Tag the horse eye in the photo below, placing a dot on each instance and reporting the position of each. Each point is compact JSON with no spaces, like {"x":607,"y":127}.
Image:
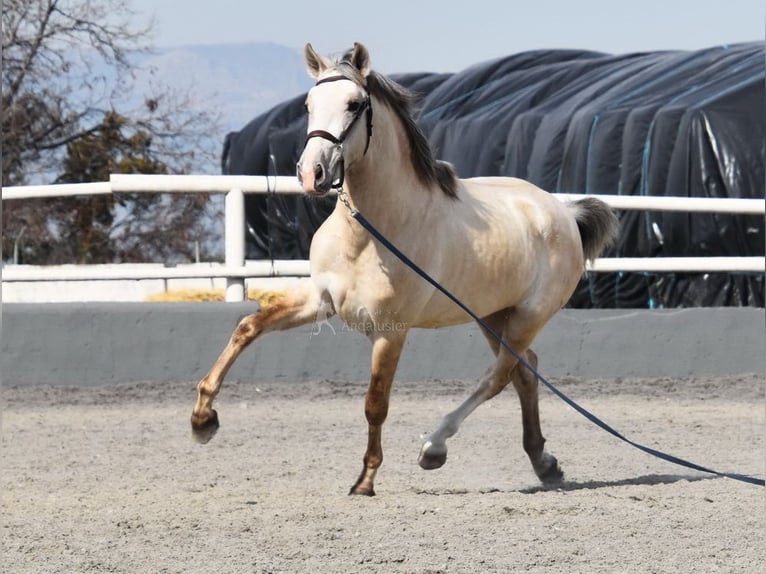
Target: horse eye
{"x":306,"y":106}
{"x":354,"y":105}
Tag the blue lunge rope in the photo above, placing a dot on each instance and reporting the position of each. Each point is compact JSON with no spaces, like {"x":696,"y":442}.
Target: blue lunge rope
{"x":587,"y":414}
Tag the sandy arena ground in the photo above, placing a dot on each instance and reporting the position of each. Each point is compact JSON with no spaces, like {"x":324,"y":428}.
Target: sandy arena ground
{"x":108,"y":479}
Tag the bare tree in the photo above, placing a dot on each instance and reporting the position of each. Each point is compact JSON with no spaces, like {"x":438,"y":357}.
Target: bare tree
{"x":68,"y":74}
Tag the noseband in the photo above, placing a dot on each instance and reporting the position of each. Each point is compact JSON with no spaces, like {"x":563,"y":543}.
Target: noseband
{"x":365,"y":107}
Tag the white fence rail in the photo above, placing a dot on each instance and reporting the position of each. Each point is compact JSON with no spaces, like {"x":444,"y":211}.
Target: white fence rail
{"x":235,"y":271}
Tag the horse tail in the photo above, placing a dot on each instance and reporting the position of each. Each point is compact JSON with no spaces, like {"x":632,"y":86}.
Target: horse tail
{"x":598,"y":225}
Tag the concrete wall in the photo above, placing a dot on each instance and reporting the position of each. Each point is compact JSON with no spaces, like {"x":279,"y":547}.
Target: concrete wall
{"x":93,"y":343}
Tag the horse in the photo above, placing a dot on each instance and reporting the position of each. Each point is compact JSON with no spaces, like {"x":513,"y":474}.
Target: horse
{"x":509,"y":250}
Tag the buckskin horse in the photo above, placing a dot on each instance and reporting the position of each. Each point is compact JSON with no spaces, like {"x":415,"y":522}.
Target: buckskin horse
{"x":511,"y":252}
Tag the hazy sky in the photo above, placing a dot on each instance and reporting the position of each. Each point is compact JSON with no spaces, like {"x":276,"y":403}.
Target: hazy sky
{"x":441,"y":35}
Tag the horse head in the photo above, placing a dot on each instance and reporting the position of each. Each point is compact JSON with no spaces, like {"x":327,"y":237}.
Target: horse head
{"x":336,"y":137}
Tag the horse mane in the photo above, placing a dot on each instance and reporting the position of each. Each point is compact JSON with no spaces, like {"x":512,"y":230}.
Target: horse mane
{"x":401,"y":101}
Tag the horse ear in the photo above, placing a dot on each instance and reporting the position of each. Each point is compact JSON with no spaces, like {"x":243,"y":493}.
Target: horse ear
{"x":360,"y":59}
{"x":315,"y":64}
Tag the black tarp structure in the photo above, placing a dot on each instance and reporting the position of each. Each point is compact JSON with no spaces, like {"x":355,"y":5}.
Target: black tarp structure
{"x":658,"y":123}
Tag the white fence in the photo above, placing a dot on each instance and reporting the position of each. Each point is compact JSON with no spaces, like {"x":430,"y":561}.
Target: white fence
{"x":235,"y":269}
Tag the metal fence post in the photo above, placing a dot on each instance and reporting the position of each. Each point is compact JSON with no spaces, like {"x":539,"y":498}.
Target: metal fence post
{"x":235,"y":242}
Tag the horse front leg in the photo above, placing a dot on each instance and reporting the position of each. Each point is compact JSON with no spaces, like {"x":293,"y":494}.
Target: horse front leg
{"x":385,"y":357}
{"x":279,"y":310}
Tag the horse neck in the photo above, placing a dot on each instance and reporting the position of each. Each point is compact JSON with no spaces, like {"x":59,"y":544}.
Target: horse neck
{"x":383,"y":185}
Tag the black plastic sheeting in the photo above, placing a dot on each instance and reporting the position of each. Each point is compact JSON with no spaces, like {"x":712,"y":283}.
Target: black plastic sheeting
{"x":659,"y":123}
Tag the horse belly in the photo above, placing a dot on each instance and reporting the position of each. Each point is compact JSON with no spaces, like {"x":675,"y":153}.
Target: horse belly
{"x":484,"y":291}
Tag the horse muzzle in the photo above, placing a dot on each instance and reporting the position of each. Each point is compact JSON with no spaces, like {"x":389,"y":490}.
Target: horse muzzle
{"x":314,"y":179}
{"x":321,"y":171}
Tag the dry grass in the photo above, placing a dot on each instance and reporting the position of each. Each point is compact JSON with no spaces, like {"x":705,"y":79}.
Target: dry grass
{"x":194,"y":295}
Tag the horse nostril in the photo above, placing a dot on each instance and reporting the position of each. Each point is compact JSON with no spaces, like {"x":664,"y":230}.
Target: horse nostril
{"x":318,"y":173}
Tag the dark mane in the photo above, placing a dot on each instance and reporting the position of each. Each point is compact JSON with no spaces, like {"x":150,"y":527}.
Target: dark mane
{"x":400,"y":100}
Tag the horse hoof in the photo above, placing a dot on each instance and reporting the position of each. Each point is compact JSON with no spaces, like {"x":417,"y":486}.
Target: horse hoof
{"x":553,"y":473}
{"x":359,"y":491}
{"x":204,"y":430}
{"x":432,"y":456}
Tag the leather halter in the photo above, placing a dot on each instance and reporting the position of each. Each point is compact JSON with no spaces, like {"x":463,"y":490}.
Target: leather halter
{"x":365,"y":107}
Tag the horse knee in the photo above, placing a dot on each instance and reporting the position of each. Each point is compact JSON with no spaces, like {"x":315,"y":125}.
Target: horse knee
{"x":376,"y":401}
{"x":375,"y":412}
{"x":247,"y":329}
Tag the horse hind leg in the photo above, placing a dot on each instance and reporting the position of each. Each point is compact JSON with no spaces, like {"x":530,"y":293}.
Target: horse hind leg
{"x":279,"y":310}
{"x":433,"y":453}
{"x":525,"y":382}
{"x":545,"y":465}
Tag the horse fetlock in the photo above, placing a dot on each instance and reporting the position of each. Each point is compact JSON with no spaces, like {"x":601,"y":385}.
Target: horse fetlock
{"x":432,"y":455}
{"x":204,"y":425}
{"x":364,"y":484}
